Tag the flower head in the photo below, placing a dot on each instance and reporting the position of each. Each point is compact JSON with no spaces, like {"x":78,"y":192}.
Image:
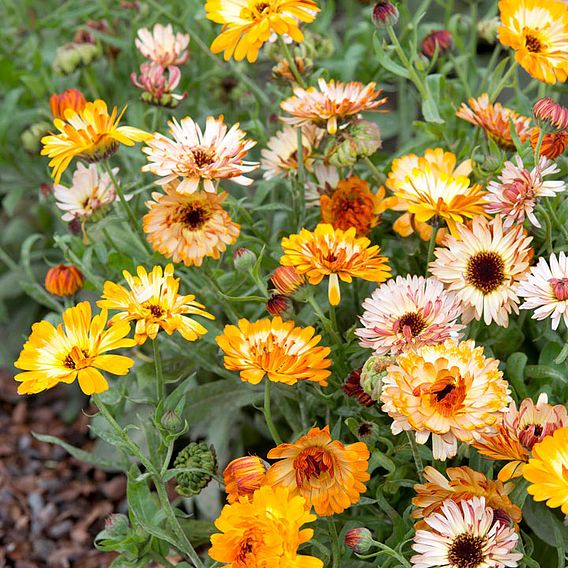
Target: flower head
{"x":248,"y":24}
{"x":539,"y":35}
{"x":276,"y":349}
{"x":71,"y":98}
{"x":64,"y":280}
{"x":153,"y":303}
{"x":327,"y":180}
{"x":158,"y":84}
{"x":450,"y":390}
{"x":91,"y":134}
{"x":75,"y":349}
{"x":495,"y":120}
{"x":243,"y":476}
{"x":441,"y":40}
{"x":352,"y":387}
{"x":407,"y":313}
{"x":334,"y":253}
{"x":549,"y":113}
{"x":286,"y":280}
{"x":188,"y":228}
{"x":264,"y":531}
{"x":198,"y":156}
{"x":553,"y":143}
{"x":385,"y":14}
{"x":328,"y":474}
{"x":359,"y":540}
{"x":162,"y":46}
{"x":332,"y":105}
{"x":484,"y":268}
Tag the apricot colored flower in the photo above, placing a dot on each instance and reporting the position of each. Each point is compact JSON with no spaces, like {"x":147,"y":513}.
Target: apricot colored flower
{"x":484,"y":268}
{"x":162,"y":46}
{"x":75,"y":349}
{"x":153,"y":303}
{"x":248,"y":24}
{"x":547,"y":470}
{"x":276,"y":349}
{"x":461,"y":483}
{"x":243,"y":476}
{"x":553,"y":143}
{"x":334,"y":253}
{"x":71,"y":98}
{"x":495,"y":120}
{"x":450,"y":390}
{"x":327,"y":473}
{"x":264,"y":532}
{"x":407,"y":313}
{"x":199,"y":157}
{"x":539,"y":35}
{"x":550,"y":114}
{"x":91,"y":134}
{"x":332,"y":105}
{"x":64,"y":280}
{"x":188,"y":228}
{"x":286,"y":280}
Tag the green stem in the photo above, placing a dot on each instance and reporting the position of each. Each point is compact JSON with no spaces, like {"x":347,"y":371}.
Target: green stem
{"x":335,"y":545}
{"x":505,"y":79}
{"x":268,"y":414}
{"x":415,"y":453}
{"x":432,"y":244}
{"x":7,"y":260}
{"x":379,"y":177}
{"x":291,"y":62}
{"x":388,"y":550}
{"x":555,"y":218}
{"x":160,"y":390}
{"x":548,"y":229}
{"x":538,"y":147}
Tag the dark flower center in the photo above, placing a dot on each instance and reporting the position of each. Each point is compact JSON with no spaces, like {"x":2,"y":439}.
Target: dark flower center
{"x":155,"y":310}
{"x":485,"y":271}
{"x":533,"y":44}
{"x":312,"y":462}
{"x":194,"y":216}
{"x":466,"y":551}
{"x":71,"y":359}
{"x":413,"y":320}
{"x":261,"y":7}
{"x":203,"y":157}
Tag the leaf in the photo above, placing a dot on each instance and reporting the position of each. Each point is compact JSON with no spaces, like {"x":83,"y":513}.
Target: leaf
{"x":545,"y":372}
{"x":386,"y":61}
{"x":430,"y":111}
{"x":515,"y":372}
{"x":544,"y":522}
{"x":35,"y":291}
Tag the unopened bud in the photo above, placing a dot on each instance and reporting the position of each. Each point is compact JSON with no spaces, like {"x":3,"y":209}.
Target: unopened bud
{"x":373,"y":373}
{"x":244,"y":259}
{"x":287,"y":281}
{"x":31,"y":137}
{"x":243,"y":476}
{"x":368,"y":432}
{"x":385,"y":14}
{"x":550,"y":115}
{"x":64,"y":280}
{"x":279,"y":305}
{"x":359,"y":540}
{"x":361,"y":139}
{"x":352,"y":387}
{"x":440,"y":39}
{"x":488,"y":30}
{"x":117,"y":525}
{"x":171,"y":422}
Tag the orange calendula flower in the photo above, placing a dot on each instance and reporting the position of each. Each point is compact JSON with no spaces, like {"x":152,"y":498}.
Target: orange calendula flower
{"x":450,"y":390}
{"x":248,"y":24}
{"x":549,"y":114}
{"x":328,"y":474}
{"x":333,"y":105}
{"x":334,"y":253}
{"x":287,"y":281}
{"x":188,"y":228}
{"x":547,"y":470}
{"x":91,"y":134}
{"x":277,"y":349}
{"x":75,"y":349}
{"x":71,"y":98}
{"x":243,"y":476}
{"x":64,"y":280}
{"x":553,"y":143}
{"x":462,"y":483}
{"x":538,"y":32}
{"x":495,"y":120}
{"x":153,"y":303}
{"x":264,"y":531}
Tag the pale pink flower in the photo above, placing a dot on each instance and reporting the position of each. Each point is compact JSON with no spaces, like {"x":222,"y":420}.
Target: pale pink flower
{"x":515,"y":194}
{"x":158,"y":84}
{"x":162,"y":46}
{"x":408,"y":313}
{"x":327,"y":180}
{"x":545,"y":289}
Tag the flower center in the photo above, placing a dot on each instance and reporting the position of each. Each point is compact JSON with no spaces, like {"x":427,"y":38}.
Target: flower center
{"x":533,"y":43}
{"x":559,"y":288}
{"x":466,"y":551}
{"x":485,"y":271}
{"x":312,"y":463}
{"x":203,"y":156}
{"x":411,"y":322}
{"x":262,"y":7}
{"x":194,"y":216}
{"x":74,"y":357}
{"x":155,"y":310}
{"x":246,"y":548}
{"x":446,"y":393}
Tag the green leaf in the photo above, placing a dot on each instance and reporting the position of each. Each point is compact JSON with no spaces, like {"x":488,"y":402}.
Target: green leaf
{"x":515,"y":372}
{"x":545,"y":523}
{"x":545,"y":372}
{"x":430,"y":111}
{"x":35,"y":291}
{"x":386,"y":61}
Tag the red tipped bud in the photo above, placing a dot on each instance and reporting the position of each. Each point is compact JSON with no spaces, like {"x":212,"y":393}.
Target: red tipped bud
{"x":71,"y":98}
{"x":441,"y":39}
{"x":244,"y":476}
{"x":63,"y":280}
{"x":244,"y":259}
{"x":549,"y":113}
{"x":286,"y":280}
{"x":385,"y":14}
{"x":359,"y":540}
{"x":279,"y":305}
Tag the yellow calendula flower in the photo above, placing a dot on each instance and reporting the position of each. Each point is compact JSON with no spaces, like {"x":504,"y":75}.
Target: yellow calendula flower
{"x":75,"y":349}
{"x":153,"y":303}
{"x":247,"y":24}
{"x":334,"y":253}
{"x":91,"y":134}
{"x":538,"y":32}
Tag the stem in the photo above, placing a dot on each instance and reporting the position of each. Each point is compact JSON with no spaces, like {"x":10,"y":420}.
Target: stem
{"x":538,"y":147}
{"x":432,"y":244}
{"x":7,"y":260}
{"x":379,"y":177}
{"x":548,"y":224}
{"x":501,"y":85}
{"x":415,"y":453}
{"x":291,"y":62}
{"x":335,"y":546}
{"x":555,"y":218}
{"x":160,"y":390}
{"x":268,"y":414}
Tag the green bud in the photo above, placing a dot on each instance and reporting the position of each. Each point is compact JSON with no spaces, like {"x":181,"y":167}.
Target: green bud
{"x":359,"y":540}
{"x":373,"y":373}
{"x":171,"y":422}
{"x":31,"y":137}
{"x":487,"y":30}
{"x":368,"y":432}
{"x":244,"y":259}
{"x":200,"y":458}
{"x":117,"y":525}
{"x":71,"y":56}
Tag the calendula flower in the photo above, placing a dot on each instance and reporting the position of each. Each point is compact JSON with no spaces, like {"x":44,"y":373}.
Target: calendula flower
{"x":188,"y":228}
{"x":243,"y":476}
{"x":450,"y":390}
{"x":462,"y":483}
{"x":547,"y":470}
{"x":519,"y":431}
{"x":539,"y":35}
{"x":199,"y":157}
{"x":153,"y":302}
{"x":465,"y":535}
{"x":75,"y":349}
{"x":248,"y":24}
{"x":495,"y":120}
{"x":407,"y":313}
{"x":353,"y":204}
{"x":545,"y":289}
{"x":89,"y":195}
{"x":286,"y":280}
{"x":280,"y":157}
{"x":71,"y":98}
{"x":484,"y":268}
{"x":162,"y":46}
{"x":329,"y":475}
{"x":334,"y":253}
{"x":64,"y":280}
{"x":515,"y":194}
{"x":265,"y":531}
{"x":91,"y":134}
{"x":331,"y":106}
{"x":553,"y":143}
{"x":276,"y":349}
{"x":550,"y":114}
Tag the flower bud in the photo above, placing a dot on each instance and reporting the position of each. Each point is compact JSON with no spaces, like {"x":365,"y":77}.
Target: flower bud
{"x":117,"y":525}
{"x":279,"y":305}
{"x":202,"y":460}
{"x":64,"y":280}
{"x":368,"y":432}
{"x":553,"y":144}
{"x":440,"y":39}
{"x":171,"y":422}
{"x":487,"y":30}
{"x":549,"y":113}
{"x":361,"y":139}
{"x":243,"y":476}
{"x":373,"y":373}
{"x":385,"y":14}
{"x":352,"y":387}
{"x":287,"y":281}
{"x":158,"y":84}
{"x":244,"y":259}
{"x":71,"y":98}
{"x":359,"y":540}
{"x":71,"y":56}
{"x":31,"y":137}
